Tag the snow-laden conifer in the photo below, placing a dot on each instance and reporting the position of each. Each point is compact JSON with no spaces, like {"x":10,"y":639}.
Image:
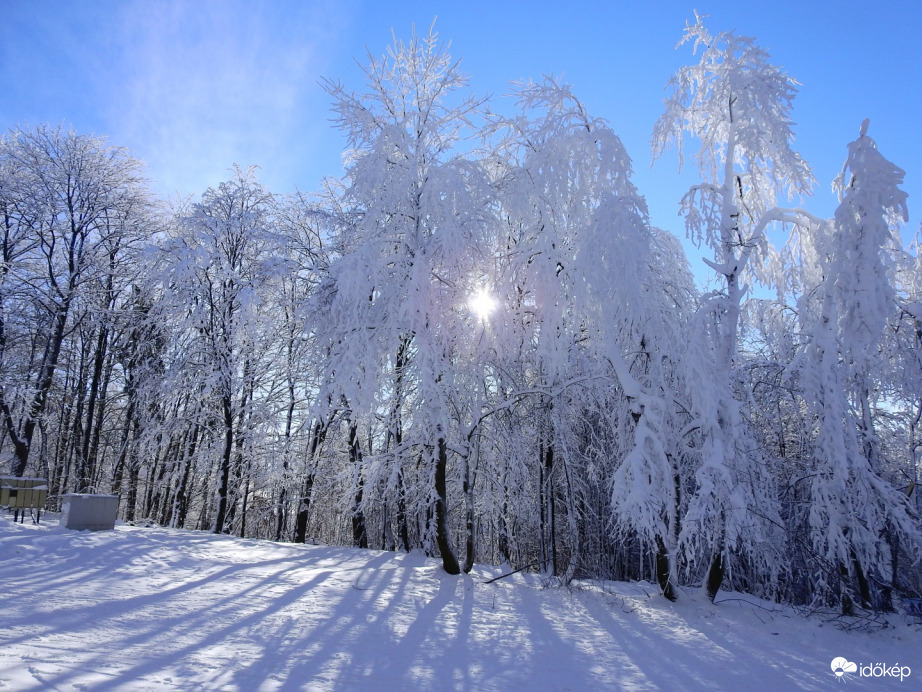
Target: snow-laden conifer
{"x":854,"y":513}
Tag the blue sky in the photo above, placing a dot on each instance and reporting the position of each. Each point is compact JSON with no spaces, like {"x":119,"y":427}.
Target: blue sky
{"x":195,"y":87}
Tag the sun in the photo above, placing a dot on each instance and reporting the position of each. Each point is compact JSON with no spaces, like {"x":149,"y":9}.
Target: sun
{"x":482,"y":304}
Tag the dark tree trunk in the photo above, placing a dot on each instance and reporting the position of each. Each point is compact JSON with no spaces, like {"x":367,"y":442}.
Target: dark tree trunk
{"x":304,"y":507}
{"x":864,"y":586}
{"x":307,"y":484}
{"x":157,"y":490}
{"x":442,"y":535}
{"x":548,"y":519}
{"x":180,"y":498}
{"x":243,"y":511}
{"x":359,"y":532}
{"x":100,"y":419}
{"x":846,"y":602}
{"x":22,"y":444}
{"x":396,"y":432}
{"x":240,"y":465}
{"x":662,"y":570}
{"x":225,"y":470}
{"x":715,"y":576}
{"x":403,"y":527}
{"x":181,"y":501}
{"x":86,"y":464}
{"x":468,"y":491}
{"x":132,"y":501}
{"x":282,"y":511}
{"x":282,"y":507}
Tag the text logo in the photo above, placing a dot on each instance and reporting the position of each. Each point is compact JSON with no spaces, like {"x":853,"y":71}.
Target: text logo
{"x":842,"y":667}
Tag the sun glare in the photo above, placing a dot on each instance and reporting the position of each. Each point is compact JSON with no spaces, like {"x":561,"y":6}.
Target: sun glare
{"x":482,"y":304}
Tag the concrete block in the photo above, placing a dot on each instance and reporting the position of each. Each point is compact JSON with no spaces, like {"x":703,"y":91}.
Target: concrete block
{"x":88,"y":512}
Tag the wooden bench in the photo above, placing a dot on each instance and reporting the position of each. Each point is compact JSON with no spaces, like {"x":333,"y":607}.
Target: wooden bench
{"x":21,"y":494}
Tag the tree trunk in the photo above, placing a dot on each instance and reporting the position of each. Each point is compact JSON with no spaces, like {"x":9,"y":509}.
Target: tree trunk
{"x":304,"y":506}
{"x":99,"y":424}
{"x":86,"y":463}
{"x":132,"y":501}
{"x":395,"y":440}
{"x":403,"y":527}
{"x":548,"y":541}
{"x":359,"y":532}
{"x":282,"y":509}
{"x":468,"y":518}
{"x":226,"y":458}
{"x":22,"y":444}
{"x":243,"y":510}
{"x":239,"y":465}
{"x":663,"y":577}
{"x":504,"y":539}
{"x":307,"y":484}
{"x":864,"y":586}
{"x":442,"y":535}
{"x":715,"y":576}
{"x":180,"y":499}
{"x":282,"y":506}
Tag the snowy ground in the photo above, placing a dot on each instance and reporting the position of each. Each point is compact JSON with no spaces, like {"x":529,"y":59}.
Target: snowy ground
{"x":158,"y":609}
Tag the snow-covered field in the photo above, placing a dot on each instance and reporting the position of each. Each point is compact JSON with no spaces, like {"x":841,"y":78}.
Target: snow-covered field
{"x":159,"y":609}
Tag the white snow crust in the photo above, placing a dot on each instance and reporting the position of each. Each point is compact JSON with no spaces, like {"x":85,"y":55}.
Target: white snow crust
{"x":162,"y":609}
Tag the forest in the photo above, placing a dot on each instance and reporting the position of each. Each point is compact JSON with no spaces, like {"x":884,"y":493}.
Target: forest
{"x":475,"y":344}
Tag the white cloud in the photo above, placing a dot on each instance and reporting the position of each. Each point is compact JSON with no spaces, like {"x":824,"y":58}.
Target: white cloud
{"x":206,"y":85}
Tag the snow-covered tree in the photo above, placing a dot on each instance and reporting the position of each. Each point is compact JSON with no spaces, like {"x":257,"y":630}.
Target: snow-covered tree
{"x":854,"y":512}
{"x":305,"y":255}
{"x":219,"y":265}
{"x":560,"y":166}
{"x":409,"y":237}
{"x":737,"y":105}
{"x":600,"y":298}
{"x":71,"y":206}
{"x":904,"y":350}
{"x":867,"y":250}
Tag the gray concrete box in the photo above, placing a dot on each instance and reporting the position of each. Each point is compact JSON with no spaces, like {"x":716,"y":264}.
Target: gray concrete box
{"x":89,"y":512}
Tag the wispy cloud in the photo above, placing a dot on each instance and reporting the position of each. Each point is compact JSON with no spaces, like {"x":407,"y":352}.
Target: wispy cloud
{"x":204,"y":85}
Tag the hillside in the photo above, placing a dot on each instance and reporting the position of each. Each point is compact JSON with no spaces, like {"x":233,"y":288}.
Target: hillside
{"x":159,"y":609}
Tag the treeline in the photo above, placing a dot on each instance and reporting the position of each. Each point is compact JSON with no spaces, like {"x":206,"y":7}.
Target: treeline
{"x":475,"y":343}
